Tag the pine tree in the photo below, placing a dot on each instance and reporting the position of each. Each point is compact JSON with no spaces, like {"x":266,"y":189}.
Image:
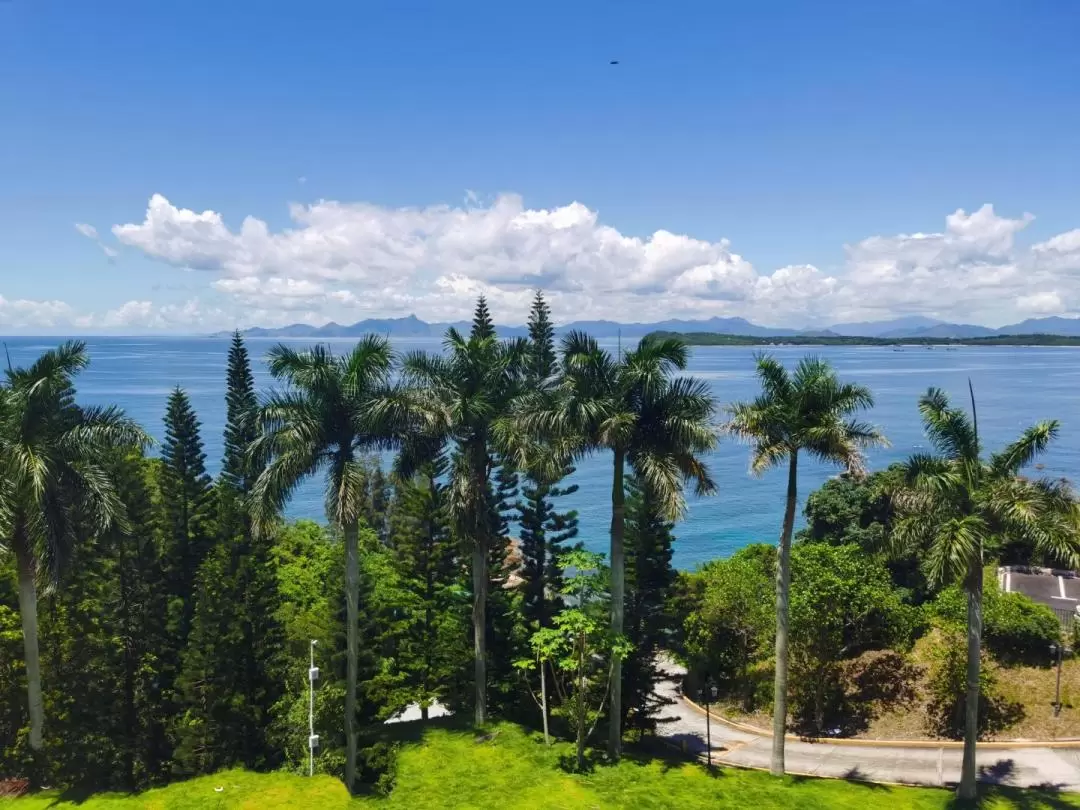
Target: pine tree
{"x":186,"y":496}
{"x":482,"y":325}
{"x":377,"y":504}
{"x":544,"y":533}
{"x":187,"y":532}
{"x":239,"y":471}
{"x":102,"y":630}
{"x":544,"y":530}
{"x":542,"y":357}
{"x":649,"y":579}
{"x":139,"y":604}
{"x":430,"y":651}
{"x":228,"y":681}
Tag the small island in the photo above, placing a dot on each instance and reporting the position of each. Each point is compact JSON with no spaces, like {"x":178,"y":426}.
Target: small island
{"x":715,"y":339}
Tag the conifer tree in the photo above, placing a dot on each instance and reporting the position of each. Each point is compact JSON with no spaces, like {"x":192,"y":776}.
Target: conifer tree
{"x":186,"y":507}
{"x":482,"y":325}
{"x":239,"y":470}
{"x":102,"y":630}
{"x":543,"y":529}
{"x":430,"y":654}
{"x":649,"y":579}
{"x":187,"y":528}
{"x":138,"y":606}
{"x":229,"y":681}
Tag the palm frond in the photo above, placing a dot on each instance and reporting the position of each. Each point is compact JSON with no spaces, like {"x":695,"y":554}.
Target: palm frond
{"x":1031,"y":444}
{"x":950,"y":430}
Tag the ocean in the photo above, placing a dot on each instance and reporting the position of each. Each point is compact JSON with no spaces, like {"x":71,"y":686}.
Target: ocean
{"x":1014,"y":387}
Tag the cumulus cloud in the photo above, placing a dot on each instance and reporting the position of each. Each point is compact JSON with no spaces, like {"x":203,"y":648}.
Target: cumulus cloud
{"x":1043,"y":303}
{"x":21,"y":313}
{"x":340,"y":260}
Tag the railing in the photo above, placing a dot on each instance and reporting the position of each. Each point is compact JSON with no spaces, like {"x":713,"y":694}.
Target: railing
{"x":1067,"y":616}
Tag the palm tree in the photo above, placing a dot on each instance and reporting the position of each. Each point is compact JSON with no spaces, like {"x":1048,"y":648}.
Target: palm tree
{"x":334,"y":411}
{"x":955,"y":505}
{"x":812,"y":411}
{"x":55,"y":489}
{"x":634,"y":407}
{"x":459,"y":396}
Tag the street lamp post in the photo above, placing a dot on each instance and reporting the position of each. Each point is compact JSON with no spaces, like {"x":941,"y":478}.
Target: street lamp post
{"x":1057,"y":649}
{"x":708,"y":722}
{"x":313,"y":738}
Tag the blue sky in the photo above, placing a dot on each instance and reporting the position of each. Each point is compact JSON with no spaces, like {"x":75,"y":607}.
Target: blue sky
{"x":792,"y":163}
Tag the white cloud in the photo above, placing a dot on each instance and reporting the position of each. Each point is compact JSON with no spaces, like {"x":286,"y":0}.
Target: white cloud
{"x":22,"y":313}
{"x":89,"y":231}
{"x":1043,"y":303}
{"x":347,"y":261}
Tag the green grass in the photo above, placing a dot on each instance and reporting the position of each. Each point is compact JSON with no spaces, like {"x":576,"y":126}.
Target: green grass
{"x":512,"y":770}
{"x":250,"y":791}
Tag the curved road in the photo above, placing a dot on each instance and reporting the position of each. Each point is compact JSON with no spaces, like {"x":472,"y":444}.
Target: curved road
{"x":684,"y":725}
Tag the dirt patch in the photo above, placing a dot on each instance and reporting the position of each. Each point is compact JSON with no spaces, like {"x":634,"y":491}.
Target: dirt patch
{"x":13,"y":788}
{"x":1032,"y":687}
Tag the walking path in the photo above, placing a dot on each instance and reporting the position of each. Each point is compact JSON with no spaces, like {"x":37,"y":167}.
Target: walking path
{"x":684,"y":725}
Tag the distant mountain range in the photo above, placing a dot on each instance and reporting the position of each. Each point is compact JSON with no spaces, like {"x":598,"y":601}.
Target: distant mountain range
{"x":915,"y":326}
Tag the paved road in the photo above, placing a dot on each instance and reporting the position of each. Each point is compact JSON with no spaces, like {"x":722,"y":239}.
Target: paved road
{"x":1020,"y":767}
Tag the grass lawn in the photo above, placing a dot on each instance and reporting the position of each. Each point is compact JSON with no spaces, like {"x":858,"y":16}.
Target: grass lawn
{"x":451,"y":768}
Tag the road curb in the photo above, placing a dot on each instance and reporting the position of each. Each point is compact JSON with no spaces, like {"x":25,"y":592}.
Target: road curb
{"x":995,"y":745}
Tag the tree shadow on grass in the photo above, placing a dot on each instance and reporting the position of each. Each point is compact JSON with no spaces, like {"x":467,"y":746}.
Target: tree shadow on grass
{"x":995,"y":791}
{"x":1040,"y":797}
{"x":853,"y":776}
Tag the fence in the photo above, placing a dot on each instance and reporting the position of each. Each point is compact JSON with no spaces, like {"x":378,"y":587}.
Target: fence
{"x":1067,"y":617}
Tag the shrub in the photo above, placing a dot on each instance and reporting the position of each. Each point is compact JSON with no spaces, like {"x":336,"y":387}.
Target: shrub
{"x":1015,"y":628}
{"x":843,"y":603}
{"x":728,"y":622}
{"x":947,"y":688}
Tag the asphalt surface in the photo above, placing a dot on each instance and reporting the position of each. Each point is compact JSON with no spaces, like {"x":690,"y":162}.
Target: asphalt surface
{"x":1058,"y":591}
{"x":935,"y":766}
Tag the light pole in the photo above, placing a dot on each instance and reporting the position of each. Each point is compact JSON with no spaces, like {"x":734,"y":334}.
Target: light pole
{"x":708,"y":722}
{"x":313,"y":738}
{"x":1057,"y":649}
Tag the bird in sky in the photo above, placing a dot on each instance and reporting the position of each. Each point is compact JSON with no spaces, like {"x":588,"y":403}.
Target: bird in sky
{"x":613,"y":62}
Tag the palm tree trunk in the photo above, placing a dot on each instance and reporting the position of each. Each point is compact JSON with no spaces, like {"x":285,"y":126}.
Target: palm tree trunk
{"x":28,"y":614}
{"x":479,"y":617}
{"x":968,"y":769}
{"x":783,"y":588}
{"x":618,"y":607}
{"x":352,"y":590}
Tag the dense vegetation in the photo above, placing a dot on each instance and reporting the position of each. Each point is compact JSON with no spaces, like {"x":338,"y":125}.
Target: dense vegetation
{"x":156,"y":623}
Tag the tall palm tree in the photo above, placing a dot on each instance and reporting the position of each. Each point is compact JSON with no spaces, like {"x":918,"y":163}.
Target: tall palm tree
{"x":459,"y":395}
{"x":635,"y":407}
{"x":955,"y":505}
{"x":811,"y":411}
{"x":333,"y":411}
{"x":55,"y":489}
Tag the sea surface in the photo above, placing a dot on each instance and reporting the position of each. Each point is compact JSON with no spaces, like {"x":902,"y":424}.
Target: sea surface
{"x":1014,"y":387}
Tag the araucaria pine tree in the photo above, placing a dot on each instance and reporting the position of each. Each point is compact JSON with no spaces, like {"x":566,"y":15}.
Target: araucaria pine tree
{"x":238,"y":469}
{"x":187,"y":504}
{"x":543,"y":529}
{"x":228,"y":682}
{"x":649,"y":578}
{"x":187,"y":531}
{"x":431,"y":656}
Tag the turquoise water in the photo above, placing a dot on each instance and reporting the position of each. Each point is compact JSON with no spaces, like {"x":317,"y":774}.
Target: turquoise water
{"x":1014,"y":387}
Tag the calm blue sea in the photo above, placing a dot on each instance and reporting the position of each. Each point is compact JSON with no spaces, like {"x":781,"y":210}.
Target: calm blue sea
{"x":1013,"y":386}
